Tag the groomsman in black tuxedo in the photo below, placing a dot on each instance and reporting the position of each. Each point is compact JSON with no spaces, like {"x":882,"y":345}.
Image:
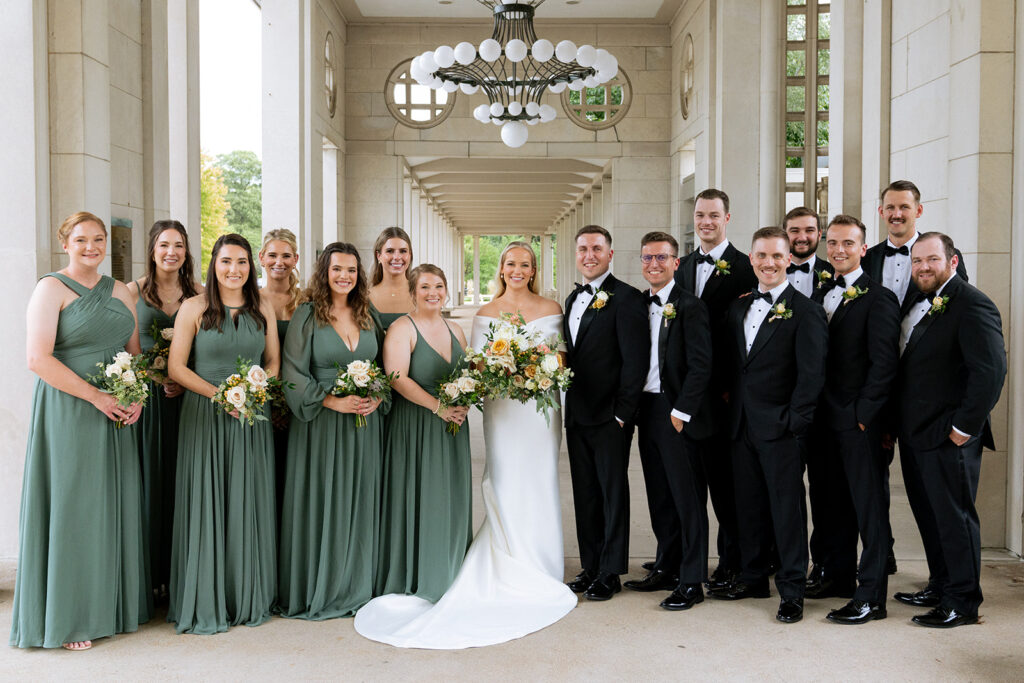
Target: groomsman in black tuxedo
{"x":863,"y":354}
{"x":780,"y":340}
{"x":604,"y":326}
{"x":673,"y":414}
{"x":951,"y":372}
{"x":718,"y":273}
{"x":804,"y":231}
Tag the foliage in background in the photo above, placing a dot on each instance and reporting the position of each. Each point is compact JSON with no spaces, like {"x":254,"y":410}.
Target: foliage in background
{"x":214,"y":206}
{"x":231,"y":195}
{"x":490,"y":250}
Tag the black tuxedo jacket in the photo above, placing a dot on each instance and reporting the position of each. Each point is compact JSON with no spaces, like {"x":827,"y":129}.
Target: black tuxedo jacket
{"x":608,"y":373}
{"x":719,"y":293}
{"x":952,"y":369}
{"x":875,"y":257}
{"x":863,"y":356}
{"x":684,"y":359}
{"x":776,"y":386}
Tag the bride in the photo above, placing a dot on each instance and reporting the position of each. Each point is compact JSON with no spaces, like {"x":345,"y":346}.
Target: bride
{"x":510,"y":583}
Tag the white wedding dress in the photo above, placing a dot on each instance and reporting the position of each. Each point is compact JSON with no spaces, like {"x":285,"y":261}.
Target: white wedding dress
{"x":510,"y":583}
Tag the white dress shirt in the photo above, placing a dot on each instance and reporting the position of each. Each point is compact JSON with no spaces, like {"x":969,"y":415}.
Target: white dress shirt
{"x":914,"y":316}
{"x":896,"y":270}
{"x":834,"y":299}
{"x":705,"y":270}
{"x":804,"y":282}
{"x":582,"y":302}
{"x":657,"y":321}
{"x":758,"y":313}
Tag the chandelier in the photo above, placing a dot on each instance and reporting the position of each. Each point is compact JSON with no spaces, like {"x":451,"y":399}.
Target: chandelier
{"x":514,"y":69}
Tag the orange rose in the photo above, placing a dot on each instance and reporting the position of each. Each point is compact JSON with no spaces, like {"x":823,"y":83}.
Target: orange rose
{"x":499,"y":347}
{"x":530,"y":371}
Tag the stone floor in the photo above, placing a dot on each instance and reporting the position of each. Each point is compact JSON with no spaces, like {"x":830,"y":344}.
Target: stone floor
{"x":628,"y":638}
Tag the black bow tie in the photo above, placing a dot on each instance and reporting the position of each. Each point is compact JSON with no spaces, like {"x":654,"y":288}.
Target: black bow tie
{"x":756,"y":294}
{"x":653,"y":299}
{"x":803,"y":268}
{"x":705,"y":258}
{"x":892,"y":251}
{"x":582,"y":288}
{"x":839,"y":281}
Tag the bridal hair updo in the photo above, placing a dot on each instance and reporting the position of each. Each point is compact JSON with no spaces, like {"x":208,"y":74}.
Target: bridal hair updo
{"x":499,"y":281}
{"x":319,"y":290}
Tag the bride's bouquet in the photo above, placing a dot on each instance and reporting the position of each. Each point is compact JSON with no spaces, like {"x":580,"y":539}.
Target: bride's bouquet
{"x":365,"y":380}
{"x":124,"y":378}
{"x":461,"y":388}
{"x":246,"y":392}
{"x":521,"y":364}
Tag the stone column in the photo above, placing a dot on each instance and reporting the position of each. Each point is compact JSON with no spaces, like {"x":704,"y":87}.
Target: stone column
{"x":876,"y":104}
{"x":597,"y":205}
{"x":772,"y":114}
{"x":476,"y":270}
{"x":548,"y":274}
{"x":845,"y":118}
{"x":1013,"y":394}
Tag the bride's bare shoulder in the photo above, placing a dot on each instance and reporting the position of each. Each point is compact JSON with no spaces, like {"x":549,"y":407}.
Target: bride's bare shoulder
{"x":491,"y":310}
{"x":547,"y":307}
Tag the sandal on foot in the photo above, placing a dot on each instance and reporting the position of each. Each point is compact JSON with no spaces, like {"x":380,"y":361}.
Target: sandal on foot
{"x":78,"y":646}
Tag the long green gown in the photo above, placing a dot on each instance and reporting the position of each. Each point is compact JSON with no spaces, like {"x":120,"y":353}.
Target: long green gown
{"x":280,"y":440}
{"x":223,"y":556}
{"x":426,"y":511}
{"x":329,"y":524}
{"x":81,"y":562}
{"x":158,"y":455}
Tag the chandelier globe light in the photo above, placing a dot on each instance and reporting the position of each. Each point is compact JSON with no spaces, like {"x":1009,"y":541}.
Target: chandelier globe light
{"x":514,"y":69}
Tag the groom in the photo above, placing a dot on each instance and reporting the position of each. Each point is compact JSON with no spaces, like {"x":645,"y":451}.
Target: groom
{"x":605,"y":323}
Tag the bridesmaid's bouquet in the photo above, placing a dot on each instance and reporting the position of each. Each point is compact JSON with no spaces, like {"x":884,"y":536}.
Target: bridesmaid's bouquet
{"x":247,"y":391}
{"x":518,"y":363}
{"x":365,"y":380}
{"x":155,"y":359}
{"x":461,"y":388}
{"x":124,"y":378}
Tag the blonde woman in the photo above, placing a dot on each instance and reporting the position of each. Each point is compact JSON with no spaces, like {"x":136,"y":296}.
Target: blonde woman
{"x":389,"y":282}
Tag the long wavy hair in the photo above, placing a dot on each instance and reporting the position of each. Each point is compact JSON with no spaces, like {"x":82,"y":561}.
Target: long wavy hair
{"x":499,"y":281}
{"x":213,"y":316}
{"x":319,"y":290}
{"x":378,"y":246}
{"x":288,"y":237}
{"x":186,"y":272}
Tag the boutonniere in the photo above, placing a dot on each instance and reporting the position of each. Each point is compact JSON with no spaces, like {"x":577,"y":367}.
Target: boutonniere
{"x":600,"y":299}
{"x":852,"y":292}
{"x":823,"y":277}
{"x":668,"y":313}
{"x":722,"y":267}
{"x":938,"y":305}
{"x":780,"y":312}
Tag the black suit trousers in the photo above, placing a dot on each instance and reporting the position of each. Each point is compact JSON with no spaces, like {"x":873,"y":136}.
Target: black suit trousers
{"x":676,"y":492}
{"x":598,"y":461}
{"x":833,"y":516}
{"x":716,"y":458}
{"x":942,"y":486}
{"x":769,"y":479}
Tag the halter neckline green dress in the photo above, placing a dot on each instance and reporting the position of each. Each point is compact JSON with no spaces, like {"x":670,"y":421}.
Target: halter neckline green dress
{"x":158,"y":454}
{"x":329,"y":523}
{"x":223,"y":555}
{"x":81,"y":561}
{"x":427,"y":515}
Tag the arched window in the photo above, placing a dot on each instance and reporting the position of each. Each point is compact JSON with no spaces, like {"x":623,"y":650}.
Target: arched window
{"x":412,"y":104}
{"x":601,"y":107}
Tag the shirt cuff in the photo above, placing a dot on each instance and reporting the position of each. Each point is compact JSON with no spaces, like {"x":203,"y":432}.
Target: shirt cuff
{"x":960,"y":432}
{"x":620,"y":421}
{"x":681,"y":415}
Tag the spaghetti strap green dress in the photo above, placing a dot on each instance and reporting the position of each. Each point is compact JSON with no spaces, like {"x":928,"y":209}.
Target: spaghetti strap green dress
{"x":329,"y":524}
{"x":426,"y":511}
{"x":158,"y":455}
{"x":81,"y":559}
{"x":223,"y":554}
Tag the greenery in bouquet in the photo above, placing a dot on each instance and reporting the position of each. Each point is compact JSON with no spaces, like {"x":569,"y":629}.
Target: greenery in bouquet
{"x":365,"y":380}
{"x":521,"y":364}
{"x":461,"y":388}
{"x":247,"y":391}
{"x":124,"y":378}
{"x":154,"y":361}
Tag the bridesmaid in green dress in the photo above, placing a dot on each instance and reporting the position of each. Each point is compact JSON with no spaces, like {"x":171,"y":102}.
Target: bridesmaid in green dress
{"x":389,"y":283}
{"x":169,"y":280}
{"x":426,"y":509}
{"x":329,"y":525}
{"x":223,"y":554}
{"x":279,"y":257}
{"x":81,"y":560}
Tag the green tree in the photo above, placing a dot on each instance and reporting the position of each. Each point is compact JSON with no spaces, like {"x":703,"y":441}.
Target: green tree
{"x":490,"y":250}
{"x":243,"y":176}
{"x":214,"y":206}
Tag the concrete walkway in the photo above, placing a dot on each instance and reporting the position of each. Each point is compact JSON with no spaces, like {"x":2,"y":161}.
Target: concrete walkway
{"x":628,"y":638}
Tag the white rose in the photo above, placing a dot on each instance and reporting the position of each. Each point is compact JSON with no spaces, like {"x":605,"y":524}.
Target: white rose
{"x":113,"y":370}
{"x":235,"y":396}
{"x":452,"y":389}
{"x":549,"y":364}
{"x":167,"y":333}
{"x":128,"y":377}
{"x":360,"y":380}
{"x":504,"y":331}
{"x":545,"y":383}
{"x":466,"y":384}
{"x":123,"y":359}
{"x":159,"y":363}
{"x":257,"y":377}
{"x":602,"y":295}
{"x":358,"y":367}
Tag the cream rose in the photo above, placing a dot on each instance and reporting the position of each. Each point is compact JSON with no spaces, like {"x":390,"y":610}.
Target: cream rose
{"x":257,"y":377}
{"x":518,"y":381}
{"x":128,"y":377}
{"x":159,"y":363}
{"x":780,"y":309}
{"x":466,"y":384}
{"x":452,"y":390}
{"x":358,"y":367}
{"x":360,"y":380}
{"x":123,"y":359}
{"x":113,"y":370}
{"x":235,"y":396}
{"x":531,"y":385}
{"x":545,"y":383}
{"x":167,"y":333}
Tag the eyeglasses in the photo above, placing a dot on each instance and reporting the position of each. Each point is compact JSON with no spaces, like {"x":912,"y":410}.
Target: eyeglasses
{"x":662,"y":259}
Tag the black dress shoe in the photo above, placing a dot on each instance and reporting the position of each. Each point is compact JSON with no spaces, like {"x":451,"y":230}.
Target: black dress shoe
{"x":720,"y":578}
{"x":816,"y":575}
{"x":790,"y":611}
{"x":740,"y":590}
{"x":890,"y":563}
{"x":582,"y":581}
{"x":929,"y":597}
{"x":683,"y":598}
{"x":604,"y":588}
{"x":943,"y":617}
{"x":856,"y":612}
{"x":828,"y":587}
{"x":649,"y":565}
{"x":657,"y":580}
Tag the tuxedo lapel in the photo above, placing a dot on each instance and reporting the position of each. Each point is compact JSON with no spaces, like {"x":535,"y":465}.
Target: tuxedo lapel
{"x":665,"y":327}
{"x":845,"y":305}
{"x":690,"y":273}
{"x":588,"y":316}
{"x":717,"y":278}
{"x":737,"y":326}
{"x":873,"y":261}
{"x":767,"y":329}
{"x":921,"y":328}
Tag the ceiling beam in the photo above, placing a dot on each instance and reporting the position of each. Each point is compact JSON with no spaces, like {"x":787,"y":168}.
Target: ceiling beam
{"x":484,"y":165}
{"x":504,"y":178}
